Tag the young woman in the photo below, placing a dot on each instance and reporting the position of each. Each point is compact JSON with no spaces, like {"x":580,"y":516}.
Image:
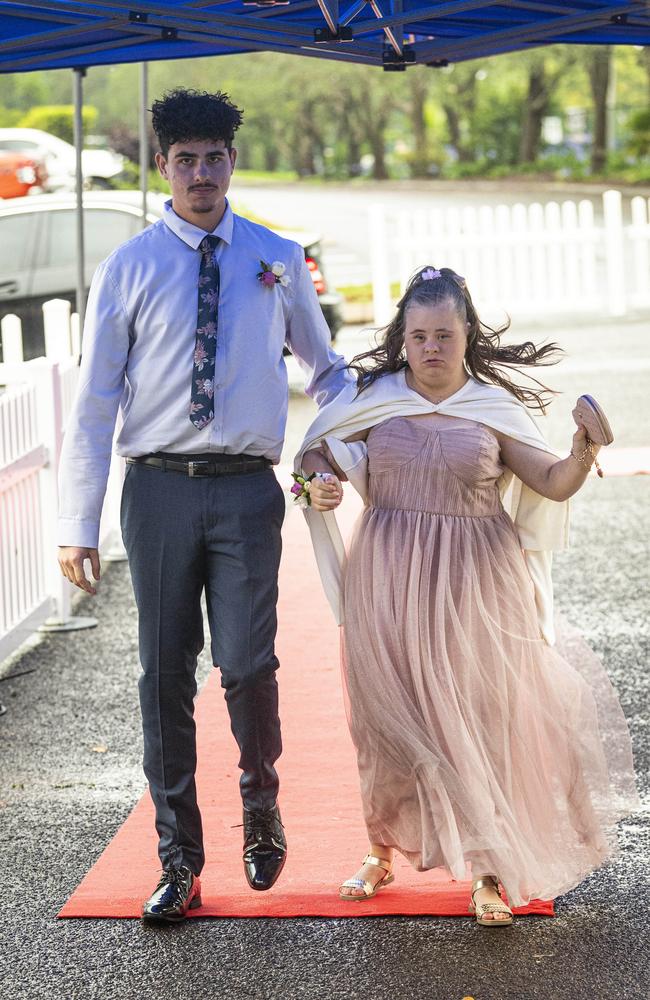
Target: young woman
{"x":476,"y":740}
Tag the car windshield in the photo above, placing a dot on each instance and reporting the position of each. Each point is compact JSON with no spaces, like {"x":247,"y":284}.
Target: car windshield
{"x":19,"y":144}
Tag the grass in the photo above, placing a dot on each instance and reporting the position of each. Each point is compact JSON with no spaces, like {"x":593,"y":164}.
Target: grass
{"x":363,"y":293}
{"x":265,"y":176}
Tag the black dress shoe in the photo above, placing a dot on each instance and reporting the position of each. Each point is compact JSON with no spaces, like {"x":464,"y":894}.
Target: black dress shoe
{"x":265,"y":847}
{"x":178,"y":891}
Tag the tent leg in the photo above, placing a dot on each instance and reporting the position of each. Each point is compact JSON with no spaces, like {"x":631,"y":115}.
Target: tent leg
{"x":78,"y":142}
{"x":144,"y":138}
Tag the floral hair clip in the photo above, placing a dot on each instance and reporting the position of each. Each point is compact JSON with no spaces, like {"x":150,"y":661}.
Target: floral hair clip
{"x":430,"y":273}
{"x":273,"y":274}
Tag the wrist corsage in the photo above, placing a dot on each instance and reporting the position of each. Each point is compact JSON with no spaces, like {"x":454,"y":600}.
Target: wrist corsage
{"x":301,"y":489}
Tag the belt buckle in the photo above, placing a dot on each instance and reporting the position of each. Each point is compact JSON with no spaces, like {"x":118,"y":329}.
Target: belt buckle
{"x":194,"y":467}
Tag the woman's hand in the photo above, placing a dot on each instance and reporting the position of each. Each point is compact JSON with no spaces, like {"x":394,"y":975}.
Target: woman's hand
{"x":580,"y":439}
{"x":326,"y":493}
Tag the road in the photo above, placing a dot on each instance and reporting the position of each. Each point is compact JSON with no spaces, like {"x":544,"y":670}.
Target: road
{"x":60,"y":802}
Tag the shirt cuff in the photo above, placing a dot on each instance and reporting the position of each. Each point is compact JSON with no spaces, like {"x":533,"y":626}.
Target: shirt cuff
{"x":82,"y":534}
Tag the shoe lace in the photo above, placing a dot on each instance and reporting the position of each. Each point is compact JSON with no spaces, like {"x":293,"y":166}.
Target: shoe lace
{"x":260,"y":827}
{"x":170,"y":876}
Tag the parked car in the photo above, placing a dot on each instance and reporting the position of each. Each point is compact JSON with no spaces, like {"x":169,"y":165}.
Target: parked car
{"x":100,"y":166}
{"x":20,"y":175}
{"x":38,"y":252}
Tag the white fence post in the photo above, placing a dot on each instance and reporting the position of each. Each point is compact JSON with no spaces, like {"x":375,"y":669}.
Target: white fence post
{"x":12,"y":340}
{"x":47,"y":376}
{"x":523,"y":259}
{"x":24,"y":601}
{"x":614,"y":252}
{"x":640,"y":235}
{"x":56,"y":323}
{"x":75,"y":337}
{"x":33,"y":414}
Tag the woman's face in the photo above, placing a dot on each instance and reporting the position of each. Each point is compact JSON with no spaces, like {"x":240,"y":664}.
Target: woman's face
{"x":435,"y":340}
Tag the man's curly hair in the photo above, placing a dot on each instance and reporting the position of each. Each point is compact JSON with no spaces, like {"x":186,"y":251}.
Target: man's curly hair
{"x":187,"y":115}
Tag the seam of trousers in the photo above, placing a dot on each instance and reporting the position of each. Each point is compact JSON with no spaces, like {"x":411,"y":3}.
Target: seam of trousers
{"x":174,"y":849}
{"x":258,"y":749}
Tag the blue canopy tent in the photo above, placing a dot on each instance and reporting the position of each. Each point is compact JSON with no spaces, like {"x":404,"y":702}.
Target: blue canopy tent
{"x":52,"y":34}
{"x":393,"y":34}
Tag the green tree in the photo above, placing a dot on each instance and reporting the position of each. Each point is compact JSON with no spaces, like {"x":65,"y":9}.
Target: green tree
{"x":58,"y":120}
{"x":458,"y":96}
{"x":419,"y":92}
{"x":317,"y":115}
{"x":544,"y":67}
{"x":639,"y":138}
{"x":9,"y":117}
{"x":599,"y":76}
{"x":20,"y":91}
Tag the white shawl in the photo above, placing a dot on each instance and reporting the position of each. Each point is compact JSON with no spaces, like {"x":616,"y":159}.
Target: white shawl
{"x":542,"y":525}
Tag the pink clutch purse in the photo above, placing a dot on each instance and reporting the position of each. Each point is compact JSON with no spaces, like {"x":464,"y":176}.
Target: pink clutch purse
{"x":593,"y":419}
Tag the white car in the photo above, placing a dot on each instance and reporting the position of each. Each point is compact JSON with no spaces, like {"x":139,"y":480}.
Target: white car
{"x":38,"y":252}
{"x":99,"y":166}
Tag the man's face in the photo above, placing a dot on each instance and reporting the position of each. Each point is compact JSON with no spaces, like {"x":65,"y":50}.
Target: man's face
{"x":198,"y":173}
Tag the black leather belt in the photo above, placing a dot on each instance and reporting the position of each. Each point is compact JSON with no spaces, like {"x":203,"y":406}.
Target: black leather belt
{"x":221,"y":466}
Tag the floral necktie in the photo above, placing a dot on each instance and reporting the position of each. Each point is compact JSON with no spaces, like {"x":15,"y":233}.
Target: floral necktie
{"x":201,"y":405}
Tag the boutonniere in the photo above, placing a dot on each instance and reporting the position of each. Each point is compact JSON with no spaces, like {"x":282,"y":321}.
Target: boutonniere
{"x":273,"y":274}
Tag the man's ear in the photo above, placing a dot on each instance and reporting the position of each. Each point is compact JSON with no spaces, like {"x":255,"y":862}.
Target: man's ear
{"x":161,"y":163}
{"x":233,"y":157}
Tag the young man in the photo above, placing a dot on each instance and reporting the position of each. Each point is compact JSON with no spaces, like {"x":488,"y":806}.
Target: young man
{"x":185,"y":334}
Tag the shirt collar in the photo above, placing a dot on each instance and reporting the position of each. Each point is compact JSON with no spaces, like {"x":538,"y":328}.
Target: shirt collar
{"x":190,"y":233}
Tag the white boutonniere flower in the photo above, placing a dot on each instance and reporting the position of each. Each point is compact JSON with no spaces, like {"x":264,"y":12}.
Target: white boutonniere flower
{"x":273,"y":274}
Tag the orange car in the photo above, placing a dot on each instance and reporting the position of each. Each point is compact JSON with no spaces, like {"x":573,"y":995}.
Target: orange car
{"x":20,"y":175}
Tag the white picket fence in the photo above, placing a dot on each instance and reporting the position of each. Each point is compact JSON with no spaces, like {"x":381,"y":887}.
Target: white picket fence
{"x":525,"y":260}
{"x":35,"y":400}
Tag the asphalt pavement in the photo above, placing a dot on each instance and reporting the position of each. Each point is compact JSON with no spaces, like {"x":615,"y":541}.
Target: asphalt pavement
{"x":70,"y":746}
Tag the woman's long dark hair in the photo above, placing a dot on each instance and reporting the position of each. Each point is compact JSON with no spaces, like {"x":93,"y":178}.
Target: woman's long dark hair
{"x":485,"y":355}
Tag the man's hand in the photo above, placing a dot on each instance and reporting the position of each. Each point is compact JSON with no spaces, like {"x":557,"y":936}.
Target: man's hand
{"x":71,"y":561}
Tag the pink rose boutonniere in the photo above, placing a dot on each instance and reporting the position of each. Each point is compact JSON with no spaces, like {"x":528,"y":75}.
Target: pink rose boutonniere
{"x":273,"y":274}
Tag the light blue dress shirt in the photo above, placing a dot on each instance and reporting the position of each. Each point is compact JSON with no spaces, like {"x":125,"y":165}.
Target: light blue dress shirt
{"x":138,"y":349}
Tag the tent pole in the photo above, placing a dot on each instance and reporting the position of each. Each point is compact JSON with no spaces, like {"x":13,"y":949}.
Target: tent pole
{"x":144,"y":139}
{"x":78,"y":143}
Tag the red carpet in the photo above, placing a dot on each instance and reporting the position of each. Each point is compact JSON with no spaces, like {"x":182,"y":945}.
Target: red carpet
{"x":319,"y":793}
{"x":625,"y":461}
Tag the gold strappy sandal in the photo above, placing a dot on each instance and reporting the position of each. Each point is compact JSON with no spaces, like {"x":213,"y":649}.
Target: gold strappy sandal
{"x":480,"y":909}
{"x":369,"y":889}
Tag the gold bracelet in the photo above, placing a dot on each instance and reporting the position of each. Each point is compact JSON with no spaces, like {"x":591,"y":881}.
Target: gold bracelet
{"x":589,"y":450}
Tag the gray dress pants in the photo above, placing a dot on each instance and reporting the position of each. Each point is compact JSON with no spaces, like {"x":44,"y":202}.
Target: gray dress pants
{"x":185,"y":535}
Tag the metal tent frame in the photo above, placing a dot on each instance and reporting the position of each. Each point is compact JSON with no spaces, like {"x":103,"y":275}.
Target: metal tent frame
{"x":52,"y":34}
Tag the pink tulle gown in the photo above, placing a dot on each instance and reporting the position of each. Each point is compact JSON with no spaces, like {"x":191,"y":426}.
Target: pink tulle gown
{"x":476,"y":741}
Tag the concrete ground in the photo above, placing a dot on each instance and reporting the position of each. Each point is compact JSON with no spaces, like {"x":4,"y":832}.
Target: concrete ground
{"x":71,"y":749}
